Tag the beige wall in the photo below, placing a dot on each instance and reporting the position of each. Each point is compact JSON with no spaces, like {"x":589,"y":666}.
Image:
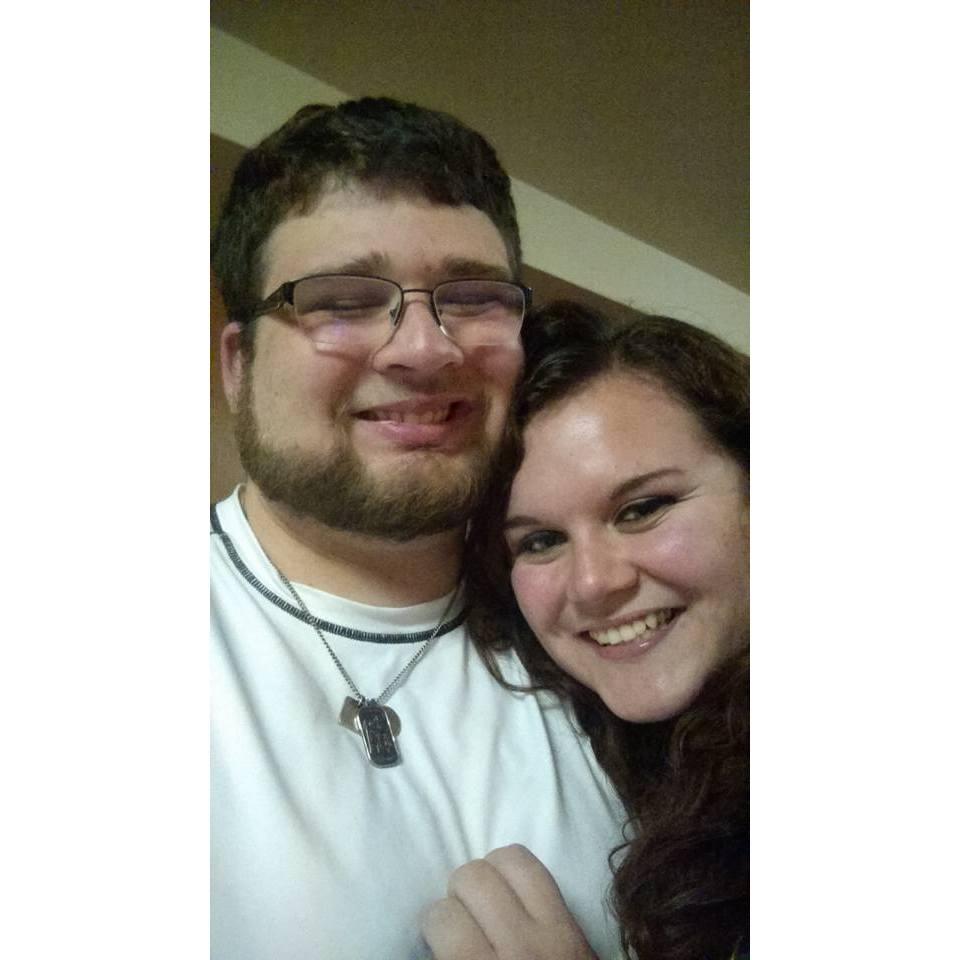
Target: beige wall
{"x":252,"y":93}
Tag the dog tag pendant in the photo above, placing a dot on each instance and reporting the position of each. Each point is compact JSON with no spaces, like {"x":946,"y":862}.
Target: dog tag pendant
{"x":378,"y":738}
{"x":348,"y":716}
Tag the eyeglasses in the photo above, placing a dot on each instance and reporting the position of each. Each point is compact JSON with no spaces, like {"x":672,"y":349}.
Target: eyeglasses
{"x":362,"y":312}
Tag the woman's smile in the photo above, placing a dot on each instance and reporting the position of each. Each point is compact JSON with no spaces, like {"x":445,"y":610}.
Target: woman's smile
{"x":628,"y":534}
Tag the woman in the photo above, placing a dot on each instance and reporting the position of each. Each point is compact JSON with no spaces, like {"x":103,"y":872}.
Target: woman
{"x":613,"y":555}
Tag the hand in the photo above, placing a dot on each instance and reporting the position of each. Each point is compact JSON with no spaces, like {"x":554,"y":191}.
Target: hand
{"x":506,"y":906}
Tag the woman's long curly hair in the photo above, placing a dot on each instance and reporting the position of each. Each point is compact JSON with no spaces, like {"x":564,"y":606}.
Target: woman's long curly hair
{"x":681,"y":882}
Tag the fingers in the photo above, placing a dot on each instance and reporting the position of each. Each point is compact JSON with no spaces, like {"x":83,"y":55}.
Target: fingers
{"x":532,"y":883}
{"x":452,"y":933}
{"x":506,"y":906}
{"x":490,"y":899}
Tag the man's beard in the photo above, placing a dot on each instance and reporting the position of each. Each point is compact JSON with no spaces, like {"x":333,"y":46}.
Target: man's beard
{"x":337,"y":489}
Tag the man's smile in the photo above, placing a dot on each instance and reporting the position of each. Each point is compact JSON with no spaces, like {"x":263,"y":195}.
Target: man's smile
{"x":427,"y":410}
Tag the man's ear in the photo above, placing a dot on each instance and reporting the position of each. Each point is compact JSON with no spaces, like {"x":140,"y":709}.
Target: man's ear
{"x":232,"y":363}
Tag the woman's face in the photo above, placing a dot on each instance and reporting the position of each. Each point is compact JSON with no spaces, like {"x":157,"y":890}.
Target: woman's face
{"x":629,"y":534}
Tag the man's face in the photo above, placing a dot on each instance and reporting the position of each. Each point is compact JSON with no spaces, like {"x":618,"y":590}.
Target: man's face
{"x":393,"y":443}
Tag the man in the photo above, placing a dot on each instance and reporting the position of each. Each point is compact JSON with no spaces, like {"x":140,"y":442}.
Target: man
{"x":368,"y":256}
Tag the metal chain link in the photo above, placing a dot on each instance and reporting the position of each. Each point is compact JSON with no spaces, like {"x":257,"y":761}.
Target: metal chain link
{"x":392,"y":686}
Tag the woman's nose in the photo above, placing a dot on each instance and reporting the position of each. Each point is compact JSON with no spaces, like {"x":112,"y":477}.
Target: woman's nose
{"x":600,"y":572}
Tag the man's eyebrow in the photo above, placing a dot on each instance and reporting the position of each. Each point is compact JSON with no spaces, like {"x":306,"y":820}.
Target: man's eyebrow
{"x":369,"y":265}
{"x":454,"y":267}
{"x":631,"y":485}
{"x":378,"y":265}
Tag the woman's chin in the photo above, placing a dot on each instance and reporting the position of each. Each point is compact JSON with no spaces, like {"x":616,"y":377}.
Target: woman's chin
{"x":653,"y":707}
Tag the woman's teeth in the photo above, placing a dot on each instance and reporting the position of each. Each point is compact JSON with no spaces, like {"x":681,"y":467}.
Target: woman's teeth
{"x":635,"y":630}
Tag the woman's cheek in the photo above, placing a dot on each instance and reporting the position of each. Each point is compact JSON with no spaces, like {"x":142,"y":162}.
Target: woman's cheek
{"x":536,"y":591}
{"x":672,"y":553}
{"x":695,"y":555}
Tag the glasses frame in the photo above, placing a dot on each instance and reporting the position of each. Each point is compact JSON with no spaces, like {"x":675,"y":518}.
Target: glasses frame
{"x":283,"y":295}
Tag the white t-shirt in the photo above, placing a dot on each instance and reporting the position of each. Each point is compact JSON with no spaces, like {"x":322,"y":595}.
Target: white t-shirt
{"x":317,"y":854}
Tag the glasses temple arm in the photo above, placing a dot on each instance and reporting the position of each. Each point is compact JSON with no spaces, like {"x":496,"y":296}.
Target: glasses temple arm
{"x":281,"y":297}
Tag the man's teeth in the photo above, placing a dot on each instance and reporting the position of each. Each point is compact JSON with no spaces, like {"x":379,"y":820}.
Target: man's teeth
{"x":635,"y":630}
{"x":429,"y":416}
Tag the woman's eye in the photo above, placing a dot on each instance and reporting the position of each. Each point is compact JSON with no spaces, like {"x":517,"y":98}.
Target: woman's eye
{"x":535,"y":544}
{"x":645,"y":509}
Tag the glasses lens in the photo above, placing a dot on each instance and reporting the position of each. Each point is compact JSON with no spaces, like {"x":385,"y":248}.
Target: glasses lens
{"x":345,"y":311}
{"x":480,"y":312}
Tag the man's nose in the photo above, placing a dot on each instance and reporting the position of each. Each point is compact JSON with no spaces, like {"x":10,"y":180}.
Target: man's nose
{"x":417,"y":343}
{"x":600,"y":573}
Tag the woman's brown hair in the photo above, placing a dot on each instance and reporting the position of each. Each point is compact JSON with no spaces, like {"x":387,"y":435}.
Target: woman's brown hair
{"x":681,"y":880}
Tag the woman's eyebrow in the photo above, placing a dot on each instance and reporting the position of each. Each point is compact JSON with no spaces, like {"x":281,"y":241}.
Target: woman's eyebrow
{"x":641,"y":480}
{"x":520,"y":521}
{"x":629,"y":485}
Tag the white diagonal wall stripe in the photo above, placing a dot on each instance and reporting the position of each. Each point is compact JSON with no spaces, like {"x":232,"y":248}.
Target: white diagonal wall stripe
{"x":252,"y":93}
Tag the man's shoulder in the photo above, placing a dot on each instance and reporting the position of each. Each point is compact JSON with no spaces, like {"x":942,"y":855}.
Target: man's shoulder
{"x":233,"y":543}
{"x":226,"y":515}
{"x":516,"y":679}
{"x":238,"y":567}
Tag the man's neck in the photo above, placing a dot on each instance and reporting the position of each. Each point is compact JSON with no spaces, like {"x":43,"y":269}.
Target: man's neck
{"x":354,"y":566}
